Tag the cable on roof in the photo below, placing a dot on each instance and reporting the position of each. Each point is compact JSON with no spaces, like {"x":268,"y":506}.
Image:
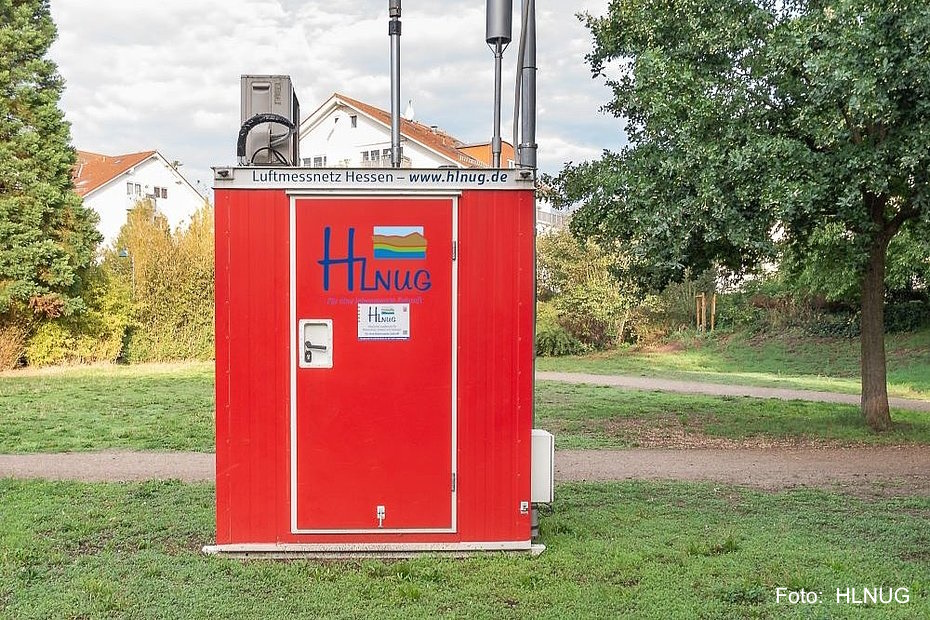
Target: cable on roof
{"x":254,"y":122}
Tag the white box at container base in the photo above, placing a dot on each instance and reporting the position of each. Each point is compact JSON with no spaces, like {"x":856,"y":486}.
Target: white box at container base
{"x":543,"y":483}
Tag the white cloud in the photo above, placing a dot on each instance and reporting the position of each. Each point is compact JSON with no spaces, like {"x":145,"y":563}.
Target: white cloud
{"x":165,"y":75}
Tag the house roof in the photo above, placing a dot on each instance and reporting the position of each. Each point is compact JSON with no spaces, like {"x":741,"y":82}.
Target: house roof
{"x":93,"y":170}
{"x":431,"y":137}
{"x":483,"y":152}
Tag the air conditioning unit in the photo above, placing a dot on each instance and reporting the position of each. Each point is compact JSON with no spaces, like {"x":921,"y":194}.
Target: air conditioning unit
{"x":270,"y":144}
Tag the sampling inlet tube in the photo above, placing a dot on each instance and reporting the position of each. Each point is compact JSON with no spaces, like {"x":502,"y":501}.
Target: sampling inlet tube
{"x":528,"y":146}
{"x":496,"y":142}
{"x":497,"y":35}
{"x":394,"y":31}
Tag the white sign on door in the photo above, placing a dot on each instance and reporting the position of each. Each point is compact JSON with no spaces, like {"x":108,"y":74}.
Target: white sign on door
{"x":384,"y":321}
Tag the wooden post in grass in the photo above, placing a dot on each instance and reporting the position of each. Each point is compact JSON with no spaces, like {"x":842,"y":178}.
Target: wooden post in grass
{"x":713,"y":311}
{"x":700,"y":311}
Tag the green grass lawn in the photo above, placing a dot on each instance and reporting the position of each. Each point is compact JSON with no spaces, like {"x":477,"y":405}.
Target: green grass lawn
{"x":171,"y":407}
{"x":584,"y":416}
{"x":146,"y":407}
{"x":630,"y":550}
{"x":826,"y":364}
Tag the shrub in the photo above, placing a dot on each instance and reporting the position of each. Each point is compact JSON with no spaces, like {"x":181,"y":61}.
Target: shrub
{"x":97,"y":334}
{"x":12,"y":344}
{"x":171,"y":276}
{"x":907,"y":316}
{"x":578,"y":280}
{"x":552,"y":339}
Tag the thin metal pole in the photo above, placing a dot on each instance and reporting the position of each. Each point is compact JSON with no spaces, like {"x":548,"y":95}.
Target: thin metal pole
{"x":394,"y":31}
{"x":496,"y":143}
{"x":528,"y":144}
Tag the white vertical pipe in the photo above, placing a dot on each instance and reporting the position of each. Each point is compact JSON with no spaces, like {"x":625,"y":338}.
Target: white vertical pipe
{"x":394,"y":31}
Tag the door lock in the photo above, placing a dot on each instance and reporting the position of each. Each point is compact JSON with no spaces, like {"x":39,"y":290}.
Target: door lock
{"x":309,"y":348}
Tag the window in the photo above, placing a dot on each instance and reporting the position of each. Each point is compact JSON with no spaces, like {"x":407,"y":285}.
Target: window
{"x":158,"y":192}
{"x":354,"y":120}
{"x":307,"y":161}
{"x":164,"y":192}
{"x":319,"y":162}
{"x":129,"y":189}
{"x":138,"y":189}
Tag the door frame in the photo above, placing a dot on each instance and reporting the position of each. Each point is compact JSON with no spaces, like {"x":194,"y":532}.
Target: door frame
{"x":294,"y":347}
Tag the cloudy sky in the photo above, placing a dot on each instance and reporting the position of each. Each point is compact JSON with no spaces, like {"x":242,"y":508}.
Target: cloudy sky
{"x":165,"y":75}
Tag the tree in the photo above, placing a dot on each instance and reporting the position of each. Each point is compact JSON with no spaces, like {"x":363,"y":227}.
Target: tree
{"x":578,"y":280}
{"x":170,"y":276}
{"x":47,"y":237}
{"x":756,"y":120}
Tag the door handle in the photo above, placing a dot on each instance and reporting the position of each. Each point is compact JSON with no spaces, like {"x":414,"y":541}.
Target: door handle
{"x":315,"y":343}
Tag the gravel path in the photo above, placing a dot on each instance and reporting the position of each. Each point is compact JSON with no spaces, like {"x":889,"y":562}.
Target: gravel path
{"x":894,"y":469}
{"x":720,"y":389}
{"x":110,"y":466}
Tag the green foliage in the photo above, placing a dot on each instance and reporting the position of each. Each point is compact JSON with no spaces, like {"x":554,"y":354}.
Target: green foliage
{"x":150,"y":299}
{"x":752,"y":116}
{"x":778,"y":304}
{"x":590,"y":304}
{"x":587,"y":303}
{"x":96,"y":334}
{"x":170,"y":276}
{"x":673,"y":310}
{"x":826,"y":264}
{"x":907,"y":316}
{"x":47,"y":237}
{"x":551,"y":338}
{"x":13,"y":337}
{"x":754,"y":120}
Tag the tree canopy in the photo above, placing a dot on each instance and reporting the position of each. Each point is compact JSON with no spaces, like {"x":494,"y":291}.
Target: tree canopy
{"x":47,"y":237}
{"x":758,"y":122}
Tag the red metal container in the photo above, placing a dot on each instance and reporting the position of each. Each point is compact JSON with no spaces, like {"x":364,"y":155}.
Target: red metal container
{"x":374,"y":362}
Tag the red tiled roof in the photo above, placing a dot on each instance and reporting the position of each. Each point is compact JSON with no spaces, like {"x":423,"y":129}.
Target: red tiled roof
{"x":483,"y":153}
{"x":433,"y":138}
{"x":93,"y":170}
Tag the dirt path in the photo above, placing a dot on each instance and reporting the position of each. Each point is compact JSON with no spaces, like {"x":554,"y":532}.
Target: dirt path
{"x":720,"y":389}
{"x":882,"y":470}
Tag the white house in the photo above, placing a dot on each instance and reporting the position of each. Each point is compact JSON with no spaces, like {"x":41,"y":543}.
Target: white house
{"x":112,"y":184}
{"x":347,"y":133}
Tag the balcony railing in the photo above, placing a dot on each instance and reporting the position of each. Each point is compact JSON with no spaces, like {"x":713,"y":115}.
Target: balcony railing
{"x":385,"y":162}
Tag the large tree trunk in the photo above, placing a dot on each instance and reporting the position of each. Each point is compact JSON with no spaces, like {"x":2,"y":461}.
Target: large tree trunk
{"x":874,"y":374}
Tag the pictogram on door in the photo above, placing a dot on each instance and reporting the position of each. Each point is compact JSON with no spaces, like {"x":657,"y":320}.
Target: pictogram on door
{"x":373,"y":285}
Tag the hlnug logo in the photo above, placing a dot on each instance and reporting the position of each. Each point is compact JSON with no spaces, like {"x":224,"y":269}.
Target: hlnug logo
{"x":389,"y":245}
{"x":399,"y":242}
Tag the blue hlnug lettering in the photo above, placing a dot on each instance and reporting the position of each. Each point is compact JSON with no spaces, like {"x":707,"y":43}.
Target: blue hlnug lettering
{"x":380,"y":279}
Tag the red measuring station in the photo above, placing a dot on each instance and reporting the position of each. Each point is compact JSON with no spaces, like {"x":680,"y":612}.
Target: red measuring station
{"x":374,"y":362}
